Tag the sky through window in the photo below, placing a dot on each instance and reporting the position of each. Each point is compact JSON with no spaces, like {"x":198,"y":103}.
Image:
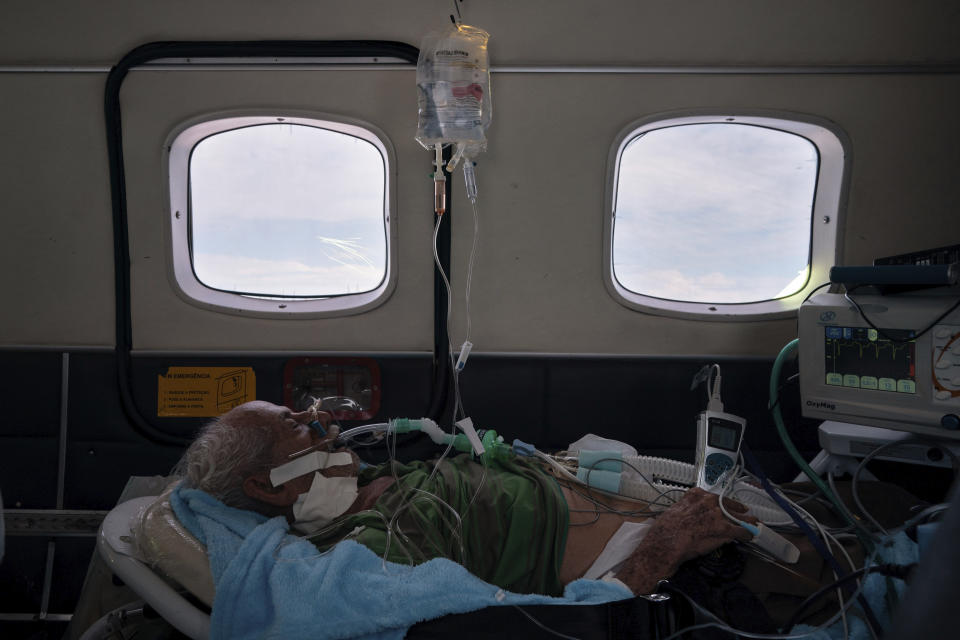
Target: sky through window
{"x":288,"y":210}
{"x":714,"y":212}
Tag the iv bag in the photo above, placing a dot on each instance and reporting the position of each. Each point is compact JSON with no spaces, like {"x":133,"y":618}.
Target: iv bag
{"x":453,"y":87}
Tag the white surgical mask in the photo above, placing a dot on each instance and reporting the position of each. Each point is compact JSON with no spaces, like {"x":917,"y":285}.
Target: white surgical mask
{"x":327,"y":499}
{"x":305,"y":464}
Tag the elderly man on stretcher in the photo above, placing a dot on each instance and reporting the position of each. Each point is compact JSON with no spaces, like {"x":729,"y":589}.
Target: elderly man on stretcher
{"x":398,"y":536}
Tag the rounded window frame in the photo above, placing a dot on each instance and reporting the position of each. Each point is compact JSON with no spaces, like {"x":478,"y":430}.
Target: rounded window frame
{"x":179,"y":147}
{"x":827,"y":215}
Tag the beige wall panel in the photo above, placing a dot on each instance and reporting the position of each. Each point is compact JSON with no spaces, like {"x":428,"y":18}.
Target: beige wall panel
{"x":538,"y":281}
{"x":531,"y":31}
{"x":57,"y":239}
{"x":537,"y":285}
{"x":155,"y":103}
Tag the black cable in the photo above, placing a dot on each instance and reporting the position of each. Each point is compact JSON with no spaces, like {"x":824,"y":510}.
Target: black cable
{"x":882,"y":333}
{"x":899,"y":571}
{"x":114,"y":129}
{"x":815,"y":289}
{"x":791,"y":380}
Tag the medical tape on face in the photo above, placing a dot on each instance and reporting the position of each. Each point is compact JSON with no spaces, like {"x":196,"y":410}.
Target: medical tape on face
{"x":308,"y":463}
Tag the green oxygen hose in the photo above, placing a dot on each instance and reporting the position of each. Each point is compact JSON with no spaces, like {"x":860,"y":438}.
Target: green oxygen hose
{"x":785,"y":353}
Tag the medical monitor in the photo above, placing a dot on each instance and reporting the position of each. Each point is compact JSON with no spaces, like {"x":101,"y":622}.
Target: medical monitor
{"x":887,"y":375}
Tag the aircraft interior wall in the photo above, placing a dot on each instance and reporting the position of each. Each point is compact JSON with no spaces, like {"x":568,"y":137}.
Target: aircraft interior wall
{"x":543,"y":183}
{"x":555,"y":354}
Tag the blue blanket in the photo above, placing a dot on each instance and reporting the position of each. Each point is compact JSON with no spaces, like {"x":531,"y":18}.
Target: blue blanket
{"x":272,"y":584}
{"x":898,"y":549}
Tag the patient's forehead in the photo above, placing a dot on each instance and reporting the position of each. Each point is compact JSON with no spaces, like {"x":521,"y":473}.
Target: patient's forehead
{"x":256,"y":412}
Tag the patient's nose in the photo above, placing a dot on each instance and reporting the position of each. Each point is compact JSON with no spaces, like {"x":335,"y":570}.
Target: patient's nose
{"x":303,"y":417}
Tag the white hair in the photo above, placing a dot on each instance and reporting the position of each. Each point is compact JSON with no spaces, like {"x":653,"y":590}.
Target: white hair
{"x":222,"y":456}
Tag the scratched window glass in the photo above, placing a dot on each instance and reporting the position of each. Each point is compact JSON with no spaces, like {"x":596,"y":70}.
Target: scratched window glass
{"x":288,"y":211}
{"x":714,"y":213}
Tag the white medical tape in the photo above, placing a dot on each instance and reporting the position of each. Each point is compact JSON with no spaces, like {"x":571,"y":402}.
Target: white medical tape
{"x":313,"y":461}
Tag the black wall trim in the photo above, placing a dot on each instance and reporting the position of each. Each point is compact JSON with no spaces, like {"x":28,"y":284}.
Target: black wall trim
{"x":112,"y":112}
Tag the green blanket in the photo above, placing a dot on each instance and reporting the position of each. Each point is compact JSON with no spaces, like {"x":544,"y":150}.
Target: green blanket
{"x":513,"y":534}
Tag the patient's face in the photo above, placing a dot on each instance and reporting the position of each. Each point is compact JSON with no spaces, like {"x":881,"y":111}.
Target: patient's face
{"x":291,"y":432}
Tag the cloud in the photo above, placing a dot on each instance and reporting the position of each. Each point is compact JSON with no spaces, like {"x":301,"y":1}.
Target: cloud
{"x":716,"y":287}
{"x":286,"y":171}
{"x":284,"y":277}
{"x":714,"y":212}
{"x":756,"y":176}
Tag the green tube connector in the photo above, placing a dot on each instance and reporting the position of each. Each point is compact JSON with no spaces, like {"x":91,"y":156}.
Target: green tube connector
{"x":462,"y":443}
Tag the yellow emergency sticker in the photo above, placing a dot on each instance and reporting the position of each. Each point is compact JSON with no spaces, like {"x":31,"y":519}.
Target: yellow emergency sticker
{"x":204,"y":391}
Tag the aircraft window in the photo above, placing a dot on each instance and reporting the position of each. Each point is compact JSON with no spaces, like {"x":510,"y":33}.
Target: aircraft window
{"x":722,"y":217}
{"x":282,"y":215}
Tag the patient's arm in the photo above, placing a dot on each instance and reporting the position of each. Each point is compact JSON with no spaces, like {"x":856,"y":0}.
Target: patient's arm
{"x":690,"y":528}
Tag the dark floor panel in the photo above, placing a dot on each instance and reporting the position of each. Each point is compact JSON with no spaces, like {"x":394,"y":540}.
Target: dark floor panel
{"x":71,"y":559}
{"x":32,"y":630}
{"x":21,"y":574}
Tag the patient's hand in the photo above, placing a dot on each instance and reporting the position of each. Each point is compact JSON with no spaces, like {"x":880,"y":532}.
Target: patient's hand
{"x":690,"y":528}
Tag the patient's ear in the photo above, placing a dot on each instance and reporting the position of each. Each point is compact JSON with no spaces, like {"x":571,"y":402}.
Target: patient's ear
{"x":259,"y":487}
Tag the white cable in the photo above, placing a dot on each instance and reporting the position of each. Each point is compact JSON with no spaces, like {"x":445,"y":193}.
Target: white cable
{"x":647,"y":491}
{"x":759,"y":504}
{"x":829,"y":540}
{"x":726,"y":487}
{"x":559,"y":467}
{"x":642,"y":489}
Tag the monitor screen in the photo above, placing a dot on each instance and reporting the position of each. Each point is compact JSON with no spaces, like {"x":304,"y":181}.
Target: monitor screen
{"x":864,"y":358}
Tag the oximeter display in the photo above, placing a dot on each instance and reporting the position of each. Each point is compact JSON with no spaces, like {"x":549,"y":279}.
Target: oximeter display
{"x":723,"y":434}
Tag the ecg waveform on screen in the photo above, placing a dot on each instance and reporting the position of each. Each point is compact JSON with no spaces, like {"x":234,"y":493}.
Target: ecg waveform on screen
{"x":867,"y":359}
{"x":881,"y":350}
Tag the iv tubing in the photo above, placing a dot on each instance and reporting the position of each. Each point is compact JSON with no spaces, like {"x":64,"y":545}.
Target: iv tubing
{"x":473,"y":257}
